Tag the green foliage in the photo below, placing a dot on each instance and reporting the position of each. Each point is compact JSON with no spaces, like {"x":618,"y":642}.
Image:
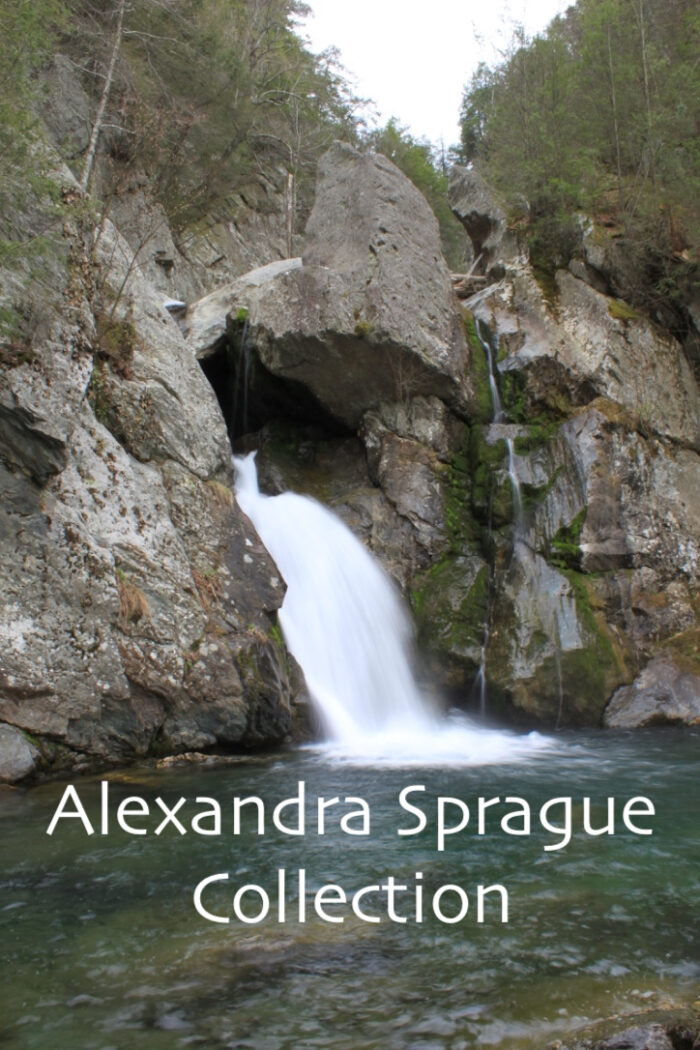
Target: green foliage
{"x":27,"y":33}
{"x":417,"y":161}
{"x":564,"y":549}
{"x":599,"y":113}
{"x":216,"y":98}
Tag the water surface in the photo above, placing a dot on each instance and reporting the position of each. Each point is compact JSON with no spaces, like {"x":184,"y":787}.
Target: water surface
{"x":102,"y":948}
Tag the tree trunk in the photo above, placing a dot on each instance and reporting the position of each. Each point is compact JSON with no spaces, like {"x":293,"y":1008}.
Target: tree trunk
{"x":97,"y":126}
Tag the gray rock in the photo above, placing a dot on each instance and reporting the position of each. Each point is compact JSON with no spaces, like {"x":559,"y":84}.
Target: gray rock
{"x":370,"y":316}
{"x":484,"y":218}
{"x":205,"y":320}
{"x":69,"y":116}
{"x":586,"y":347}
{"x":18,"y":756}
{"x":426,"y":420}
{"x":644,"y":1037}
{"x":151,"y":401}
{"x":547,"y":658}
{"x":137,"y":599}
{"x":667,"y":691}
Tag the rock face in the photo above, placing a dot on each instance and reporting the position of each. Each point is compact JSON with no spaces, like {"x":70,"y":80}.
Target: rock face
{"x":138,"y":603}
{"x":604,"y":566}
{"x":369,"y":317}
{"x":665,"y":692}
{"x":483,"y":217}
{"x":642,"y":1037}
{"x":586,"y":344}
{"x":552,"y":551}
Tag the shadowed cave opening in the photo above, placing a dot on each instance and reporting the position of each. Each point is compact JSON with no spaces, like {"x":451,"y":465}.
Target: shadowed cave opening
{"x":251,"y":398}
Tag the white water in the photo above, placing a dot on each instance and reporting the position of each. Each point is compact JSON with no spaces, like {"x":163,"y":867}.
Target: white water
{"x":498,"y":414}
{"x":518,"y":514}
{"x":345,"y":624}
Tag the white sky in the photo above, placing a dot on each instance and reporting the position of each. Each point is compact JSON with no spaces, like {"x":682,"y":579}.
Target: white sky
{"x":413,"y":57}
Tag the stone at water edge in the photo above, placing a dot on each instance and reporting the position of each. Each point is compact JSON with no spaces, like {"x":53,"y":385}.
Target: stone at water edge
{"x":665,"y":692}
{"x":18,"y":756}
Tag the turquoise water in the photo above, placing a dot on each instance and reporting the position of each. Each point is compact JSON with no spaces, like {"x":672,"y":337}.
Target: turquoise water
{"x":102,"y":948}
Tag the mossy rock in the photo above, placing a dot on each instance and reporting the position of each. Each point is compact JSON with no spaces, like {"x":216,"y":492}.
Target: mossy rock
{"x":480,"y":368}
{"x":450,"y":607}
{"x":535,"y":679}
{"x":564,"y":549}
{"x":622,"y":311}
{"x":491,"y":499}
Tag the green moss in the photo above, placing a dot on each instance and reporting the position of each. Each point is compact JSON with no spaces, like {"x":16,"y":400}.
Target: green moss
{"x":242,"y":315}
{"x":622,"y":311}
{"x":276,"y":635}
{"x":580,"y":584}
{"x":479,"y":369}
{"x":540,"y":430}
{"x":686,"y":649}
{"x":450,"y":611}
{"x":514,"y":396}
{"x":489,"y":500}
{"x":363,"y":329}
{"x":564,"y":550}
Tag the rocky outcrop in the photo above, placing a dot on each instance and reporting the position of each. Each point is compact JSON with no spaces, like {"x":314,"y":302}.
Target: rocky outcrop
{"x":585,"y":344}
{"x":206,"y":319}
{"x":476,"y":206}
{"x":369,"y":317}
{"x":138,"y":603}
{"x":666,"y":692}
{"x":603,"y":565}
{"x":679,"y":1035}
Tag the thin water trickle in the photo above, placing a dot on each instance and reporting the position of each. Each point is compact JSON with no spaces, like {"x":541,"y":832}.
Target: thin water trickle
{"x":518,"y":514}
{"x":239,"y":408}
{"x":344,"y":622}
{"x":498,"y":414}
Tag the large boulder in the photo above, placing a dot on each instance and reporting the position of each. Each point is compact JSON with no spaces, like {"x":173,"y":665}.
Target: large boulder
{"x":481,"y":213}
{"x":370,"y":316}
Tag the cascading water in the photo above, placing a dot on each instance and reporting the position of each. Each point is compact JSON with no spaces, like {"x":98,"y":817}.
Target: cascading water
{"x":518,"y":514}
{"x":239,"y":407}
{"x":345,"y":625}
{"x":498,"y":414}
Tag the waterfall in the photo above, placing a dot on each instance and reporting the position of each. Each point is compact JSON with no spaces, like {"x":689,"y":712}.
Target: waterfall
{"x":518,"y":515}
{"x":346,"y":626}
{"x":498,"y":414}
{"x":239,"y":423}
